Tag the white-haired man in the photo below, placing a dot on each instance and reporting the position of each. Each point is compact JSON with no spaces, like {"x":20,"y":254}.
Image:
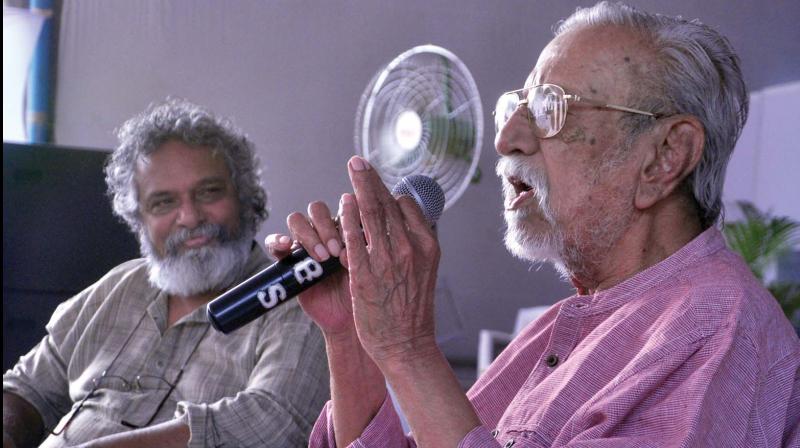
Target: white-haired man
{"x":612,"y":158}
{"x":131,"y":361}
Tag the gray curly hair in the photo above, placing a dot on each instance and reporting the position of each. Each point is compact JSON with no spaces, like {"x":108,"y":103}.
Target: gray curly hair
{"x":178,"y":119}
{"x":696,"y":72}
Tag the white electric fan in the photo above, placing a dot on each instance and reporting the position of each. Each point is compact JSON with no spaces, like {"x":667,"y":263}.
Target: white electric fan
{"x":421,"y":114}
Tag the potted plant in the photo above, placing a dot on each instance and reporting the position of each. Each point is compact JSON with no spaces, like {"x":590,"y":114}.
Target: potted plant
{"x":762,"y":239}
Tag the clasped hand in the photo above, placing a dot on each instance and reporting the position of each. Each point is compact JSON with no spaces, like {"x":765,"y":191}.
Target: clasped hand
{"x":385,"y":294}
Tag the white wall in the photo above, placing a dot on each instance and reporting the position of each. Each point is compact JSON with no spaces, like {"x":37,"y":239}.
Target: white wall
{"x":291,"y":72}
{"x":765,"y":165}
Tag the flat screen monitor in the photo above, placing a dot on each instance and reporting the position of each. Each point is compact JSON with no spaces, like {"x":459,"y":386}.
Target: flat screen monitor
{"x":59,"y":235}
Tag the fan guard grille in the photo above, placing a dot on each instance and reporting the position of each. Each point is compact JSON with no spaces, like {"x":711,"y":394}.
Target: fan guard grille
{"x":422,"y":114}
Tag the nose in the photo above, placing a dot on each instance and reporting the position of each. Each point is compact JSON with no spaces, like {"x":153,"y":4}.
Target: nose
{"x":516,"y":136}
{"x":190,"y":215}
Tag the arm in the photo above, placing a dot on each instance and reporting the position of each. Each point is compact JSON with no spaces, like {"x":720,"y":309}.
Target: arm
{"x":22,"y":424}
{"x":432,"y":399}
{"x":40,"y":377}
{"x":173,"y":433}
{"x":35,"y":391}
{"x":392,"y":281}
{"x":358,"y":353}
{"x":357,"y":387}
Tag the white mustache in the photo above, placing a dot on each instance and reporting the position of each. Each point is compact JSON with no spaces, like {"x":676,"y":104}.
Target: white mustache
{"x":515,"y":166}
{"x":208,"y":230}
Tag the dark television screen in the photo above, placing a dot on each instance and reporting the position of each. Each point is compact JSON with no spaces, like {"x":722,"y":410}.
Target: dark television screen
{"x":59,"y":235}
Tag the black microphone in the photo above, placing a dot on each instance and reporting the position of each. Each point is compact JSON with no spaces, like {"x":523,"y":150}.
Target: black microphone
{"x":292,"y":275}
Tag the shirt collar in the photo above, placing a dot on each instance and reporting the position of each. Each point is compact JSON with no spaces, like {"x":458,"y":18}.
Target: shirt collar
{"x":706,"y":243}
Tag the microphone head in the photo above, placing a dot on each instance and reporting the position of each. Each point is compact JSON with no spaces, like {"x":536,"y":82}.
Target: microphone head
{"x":426,"y":192}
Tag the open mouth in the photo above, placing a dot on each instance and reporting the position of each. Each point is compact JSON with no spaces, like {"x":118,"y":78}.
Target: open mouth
{"x":519,"y":185}
{"x":523,"y":192}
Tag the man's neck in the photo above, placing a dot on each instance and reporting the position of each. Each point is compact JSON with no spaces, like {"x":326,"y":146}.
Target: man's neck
{"x":651,"y":237}
{"x":180,"y":306}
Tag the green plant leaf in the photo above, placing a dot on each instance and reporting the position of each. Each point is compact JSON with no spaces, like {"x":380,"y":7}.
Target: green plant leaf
{"x":788,"y":295}
{"x":761,"y":239}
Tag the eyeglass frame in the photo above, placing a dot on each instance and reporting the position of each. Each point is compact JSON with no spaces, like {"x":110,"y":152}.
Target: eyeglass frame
{"x":137,"y":381}
{"x":567,"y":98}
{"x":60,"y":428}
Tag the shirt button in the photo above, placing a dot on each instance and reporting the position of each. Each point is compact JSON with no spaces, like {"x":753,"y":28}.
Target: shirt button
{"x":495,"y":433}
{"x":552,"y":360}
{"x":160,"y":364}
{"x":509,"y":444}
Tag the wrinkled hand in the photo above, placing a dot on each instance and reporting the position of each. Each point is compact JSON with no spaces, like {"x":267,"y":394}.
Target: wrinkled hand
{"x":393,"y":273}
{"x":328,"y":303}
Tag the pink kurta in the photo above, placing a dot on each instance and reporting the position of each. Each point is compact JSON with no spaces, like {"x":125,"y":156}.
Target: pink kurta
{"x":690,"y":352}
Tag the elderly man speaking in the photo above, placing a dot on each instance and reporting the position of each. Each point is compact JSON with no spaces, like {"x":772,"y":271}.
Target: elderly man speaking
{"x":612,"y":158}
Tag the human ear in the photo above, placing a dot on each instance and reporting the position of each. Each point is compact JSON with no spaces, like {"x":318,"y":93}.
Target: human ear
{"x":674,"y":150}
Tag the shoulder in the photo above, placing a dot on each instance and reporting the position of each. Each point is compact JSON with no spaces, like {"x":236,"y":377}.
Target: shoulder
{"x":720,"y":298}
{"x":119,"y":282}
{"x":130,"y":271}
{"x":130,"y":274}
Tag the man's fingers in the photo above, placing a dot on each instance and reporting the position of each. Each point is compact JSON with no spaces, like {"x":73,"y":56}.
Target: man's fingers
{"x":419,"y":230}
{"x":278,"y":245}
{"x":356,"y":257}
{"x":367,"y":195}
{"x":304,"y":232}
{"x":415,"y":220}
{"x":343,"y":259}
{"x":325,"y":227}
{"x":380,"y":214}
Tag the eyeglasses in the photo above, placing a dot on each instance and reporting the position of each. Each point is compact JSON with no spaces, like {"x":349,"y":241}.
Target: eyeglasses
{"x":140,"y":384}
{"x":547,"y":108}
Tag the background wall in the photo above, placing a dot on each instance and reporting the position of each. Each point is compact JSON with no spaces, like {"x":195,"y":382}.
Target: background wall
{"x":291,"y":74}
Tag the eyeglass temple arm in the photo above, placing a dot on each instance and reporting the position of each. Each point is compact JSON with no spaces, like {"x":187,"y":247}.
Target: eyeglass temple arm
{"x":580,"y":99}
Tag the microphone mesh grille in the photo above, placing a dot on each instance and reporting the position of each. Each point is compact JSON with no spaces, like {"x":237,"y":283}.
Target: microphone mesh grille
{"x":426,"y":192}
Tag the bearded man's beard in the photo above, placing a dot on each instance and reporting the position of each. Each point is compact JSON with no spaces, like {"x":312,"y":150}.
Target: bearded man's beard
{"x":541,"y":245}
{"x":576,"y":251}
{"x":210,"y":268}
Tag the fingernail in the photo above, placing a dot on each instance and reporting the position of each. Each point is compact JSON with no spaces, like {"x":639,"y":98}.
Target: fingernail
{"x":323,"y":254}
{"x":347,"y":198}
{"x":284,"y":240}
{"x":333,"y":247}
{"x":359,"y":164}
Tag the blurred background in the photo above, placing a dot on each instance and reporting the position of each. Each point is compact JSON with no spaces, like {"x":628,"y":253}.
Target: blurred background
{"x":291,"y":73}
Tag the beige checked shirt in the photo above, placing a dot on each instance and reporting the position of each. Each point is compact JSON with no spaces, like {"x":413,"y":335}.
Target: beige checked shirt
{"x":262,"y":385}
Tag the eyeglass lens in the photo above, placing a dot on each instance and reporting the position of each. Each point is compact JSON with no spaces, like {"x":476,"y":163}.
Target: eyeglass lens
{"x":140,"y":383}
{"x":546,"y":109}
